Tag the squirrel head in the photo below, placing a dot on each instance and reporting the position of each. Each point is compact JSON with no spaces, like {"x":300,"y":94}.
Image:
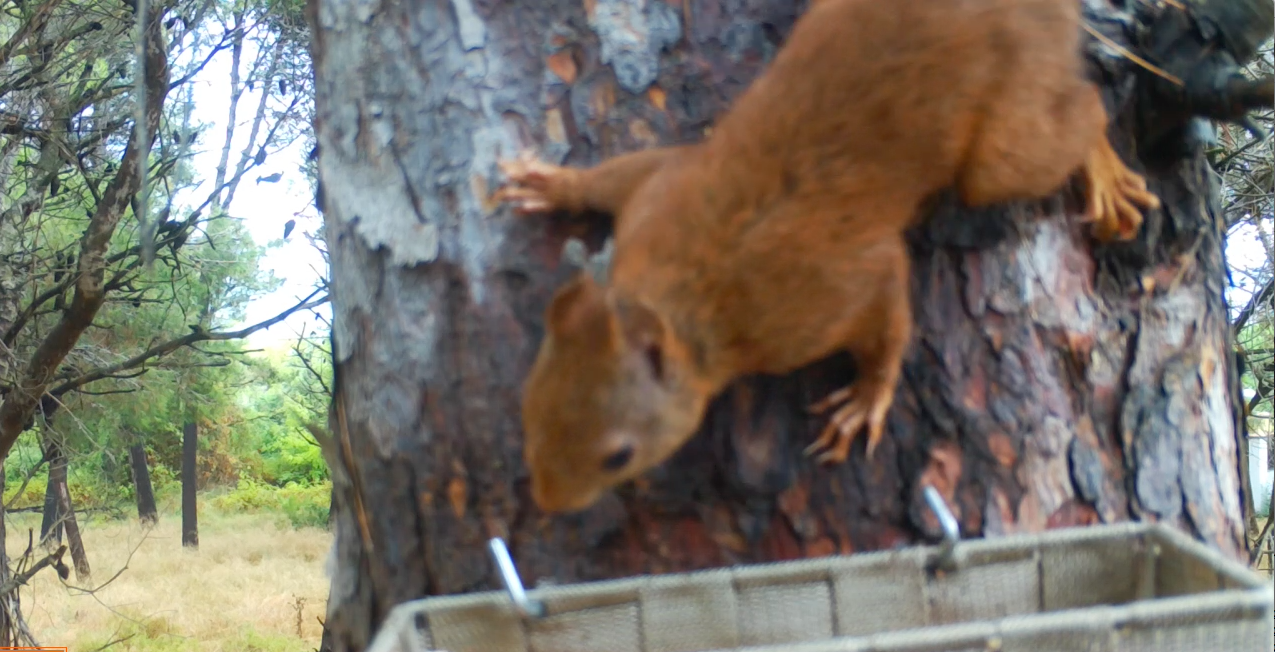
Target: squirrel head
{"x":608,"y":398}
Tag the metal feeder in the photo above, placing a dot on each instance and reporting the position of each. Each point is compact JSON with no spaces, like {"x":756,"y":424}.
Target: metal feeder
{"x":1114,"y":588}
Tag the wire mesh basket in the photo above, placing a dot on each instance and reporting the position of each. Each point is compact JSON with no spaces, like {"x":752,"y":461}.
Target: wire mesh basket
{"x":1115,"y":588}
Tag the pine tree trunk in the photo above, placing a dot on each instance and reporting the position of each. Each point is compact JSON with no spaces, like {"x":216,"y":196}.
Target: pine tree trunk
{"x":51,"y":523}
{"x":190,"y":481}
{"x":146,"y":511}
{"x":73,"y":540}
{"x":1049,"y":383}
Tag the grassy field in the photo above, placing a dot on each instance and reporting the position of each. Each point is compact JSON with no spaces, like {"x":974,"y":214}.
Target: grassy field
{"x":239,"y":592}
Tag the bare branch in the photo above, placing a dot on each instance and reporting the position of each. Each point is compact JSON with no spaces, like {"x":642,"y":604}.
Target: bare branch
{"x":19,"y":579}
{"x":1260,"y":297}
{"x":196,"y":335}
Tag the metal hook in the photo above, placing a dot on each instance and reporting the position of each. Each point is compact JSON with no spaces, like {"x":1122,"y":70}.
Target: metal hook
{"x":951,"y":529}
{"x":513,"y":585}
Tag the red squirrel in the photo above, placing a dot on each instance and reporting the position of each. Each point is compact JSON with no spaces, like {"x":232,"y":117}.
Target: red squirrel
{"x":778,"y":239}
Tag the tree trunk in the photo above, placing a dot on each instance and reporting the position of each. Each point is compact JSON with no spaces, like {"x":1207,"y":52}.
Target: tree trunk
{"x":78,"y":556}
{"x":146,"y":511}
{"x":7,"y":602}
{"x":190,"y":517}
{"x":52,"y":521}
{"x":1050,"y":382}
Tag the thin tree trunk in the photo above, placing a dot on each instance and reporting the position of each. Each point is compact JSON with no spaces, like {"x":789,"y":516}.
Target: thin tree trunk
{"x":190,"y":516}
{"x":51,"y":525}
{"x":78,"y":556}
{"x":146,"y":511}
{"x":6,"y":601}
{"x":1050,"y":382}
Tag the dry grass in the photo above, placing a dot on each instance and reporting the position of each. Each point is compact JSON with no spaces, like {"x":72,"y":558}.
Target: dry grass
{"x":237,"y":593}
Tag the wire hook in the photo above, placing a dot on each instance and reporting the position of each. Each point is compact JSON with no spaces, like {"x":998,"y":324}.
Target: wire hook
{"x":946,"y":559}
{"x":513,"y":584}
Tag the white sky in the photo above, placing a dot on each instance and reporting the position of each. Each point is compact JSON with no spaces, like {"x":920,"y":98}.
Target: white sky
{"x":265,"y":207}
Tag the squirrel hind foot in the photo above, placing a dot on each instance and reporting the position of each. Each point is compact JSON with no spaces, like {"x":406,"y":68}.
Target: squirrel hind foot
{"x":860,"y":406}
{"x":1114,"y":195}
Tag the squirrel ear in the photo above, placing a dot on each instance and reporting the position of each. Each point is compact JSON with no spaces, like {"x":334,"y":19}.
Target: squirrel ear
{"x":579,"y":307}
{"x":643,"y":331}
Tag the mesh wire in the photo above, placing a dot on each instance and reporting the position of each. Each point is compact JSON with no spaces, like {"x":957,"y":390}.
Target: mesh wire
{"x":1120,"y":588}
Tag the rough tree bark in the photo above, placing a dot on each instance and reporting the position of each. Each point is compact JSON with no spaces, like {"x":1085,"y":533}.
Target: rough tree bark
{"x":146,"y":511}
{"x":190,"y":482}
{"x":1050,"y":382}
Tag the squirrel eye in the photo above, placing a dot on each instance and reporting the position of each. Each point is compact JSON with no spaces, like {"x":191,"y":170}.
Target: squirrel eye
{"x":619,"y":459}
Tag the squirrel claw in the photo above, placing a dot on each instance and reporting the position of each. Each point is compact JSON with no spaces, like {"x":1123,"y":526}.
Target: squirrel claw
{"x":835,"y":398}
{"x":525,"y":200}
{"x":535,"y":186}
{"x":857,"y":409}
{"x":1114,"y":194}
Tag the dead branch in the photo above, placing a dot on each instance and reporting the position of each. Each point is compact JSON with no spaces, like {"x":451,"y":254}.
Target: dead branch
{"x":20,"y":579}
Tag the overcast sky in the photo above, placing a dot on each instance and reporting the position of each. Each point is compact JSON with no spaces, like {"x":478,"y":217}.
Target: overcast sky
{"x":263,"y":208}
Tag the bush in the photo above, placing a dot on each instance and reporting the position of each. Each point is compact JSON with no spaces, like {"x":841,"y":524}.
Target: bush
{"x":32,"y":495}
{"x":307,"y":506}
{"x":291,"y":458}
{"x":302,"y":505}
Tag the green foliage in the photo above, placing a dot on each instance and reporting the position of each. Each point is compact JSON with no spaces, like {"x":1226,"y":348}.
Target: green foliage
{"x":301,"y":505}
{"x":252,"y":438}
{"x":293,"y":459}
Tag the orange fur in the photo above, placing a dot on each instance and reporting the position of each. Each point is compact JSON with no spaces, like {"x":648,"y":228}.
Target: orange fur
{"x":778,"y":240}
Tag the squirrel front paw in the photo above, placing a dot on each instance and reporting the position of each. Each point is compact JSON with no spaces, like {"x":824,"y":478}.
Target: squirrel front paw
{"x":1114,"y":195}
{"x":535,"y":186}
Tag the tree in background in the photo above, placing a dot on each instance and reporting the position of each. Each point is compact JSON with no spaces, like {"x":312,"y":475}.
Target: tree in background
{"x":1050,"y":381}
{"x":1248,"y":204}
{"x":118,"y":292}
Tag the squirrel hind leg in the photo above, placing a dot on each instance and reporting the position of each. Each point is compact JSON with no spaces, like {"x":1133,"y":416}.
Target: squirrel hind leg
{"x":862,"y":406}
{"x":878,"y":345}
{"x":1114,"y":194}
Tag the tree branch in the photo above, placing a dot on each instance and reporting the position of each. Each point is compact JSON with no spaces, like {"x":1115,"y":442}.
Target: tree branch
{"x":19,"y":405}
{"x":1261,"y":296}
{"x":196,"y":335}
{"x":52,"y":559}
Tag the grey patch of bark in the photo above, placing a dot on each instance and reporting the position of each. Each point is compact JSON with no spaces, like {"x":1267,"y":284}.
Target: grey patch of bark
{"x":633,"y":32}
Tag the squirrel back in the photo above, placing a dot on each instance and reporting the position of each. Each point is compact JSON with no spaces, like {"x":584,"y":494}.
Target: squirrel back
{"x":778,"y":240}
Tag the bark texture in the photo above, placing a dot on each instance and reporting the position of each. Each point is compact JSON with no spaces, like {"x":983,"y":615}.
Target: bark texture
{"x":1050,"y":382}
